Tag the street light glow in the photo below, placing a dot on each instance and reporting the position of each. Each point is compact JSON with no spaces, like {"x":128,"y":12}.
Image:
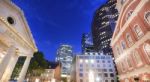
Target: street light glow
{"x":86,"y":61}
{"x":91,"y":76}
{"x":92,"y":61}
{"x":81,"y":60}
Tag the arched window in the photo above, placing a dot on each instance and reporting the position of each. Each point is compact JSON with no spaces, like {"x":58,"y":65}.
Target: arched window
{"x":129,"y":62}
{"x":123,"y":45}
{"x":118,"y":51}
{"x":147,"y":17}
{"x":129,"y":14}
{"x":126,"y":80}
{"x":147,"y":50}
{"x":123,"y":66}
{"x":122,"y":2}
{"x":129,"y":39}
{"x":138,"y":31}
{"x":137,"y":57}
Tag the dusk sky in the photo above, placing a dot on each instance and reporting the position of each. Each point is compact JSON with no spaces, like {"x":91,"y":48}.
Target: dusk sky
{"x":55,"y":22}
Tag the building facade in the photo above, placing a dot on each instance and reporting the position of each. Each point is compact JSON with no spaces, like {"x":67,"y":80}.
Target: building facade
{"x":65,"y":56}
{"x":131,"y":41}
{"x":87,"y":43}
{"x":94,"y":68}
{"x":15,"y":40}
{"x":103,"y":25}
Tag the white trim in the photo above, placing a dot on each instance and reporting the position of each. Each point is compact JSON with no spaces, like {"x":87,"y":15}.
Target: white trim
{"x":136,"y":45}
{"x":137,"y":9}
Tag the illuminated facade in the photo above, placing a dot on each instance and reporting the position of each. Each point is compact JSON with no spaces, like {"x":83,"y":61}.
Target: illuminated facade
{"x":94,"y":68}
{"x":64,"y":55}
{"x":15,"y":41}
{"x":103,"y":25}
{"x":131,"y":41}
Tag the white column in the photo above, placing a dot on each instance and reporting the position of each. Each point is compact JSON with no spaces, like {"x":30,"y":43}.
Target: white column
{"x":8,"y":72}
{"x":11,"y":51}
{"x":24,"y":69}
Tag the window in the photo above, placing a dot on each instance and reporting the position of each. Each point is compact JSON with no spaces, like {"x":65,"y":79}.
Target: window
{"x":105,"y":75}
{"x":138,"y":31}
{"x":129,"y":62}
{"x":123,"y":45}
{"x":110,"y":70}
{"x":105,"y":70}
{"x":129,"y":14}
{"x":111,"y":75}
{"x":129,"y":39}
{"x":81,"y":80}
{"x":117,"y":50}
{"x":122,"y":66}
{"x":106,"y":80}
{"x":137,"y":57}
{"x":122,"y":2}
{"x":109,"y":61}
{"x":10,"y":20}
{"x":81,"y":65}
{"x":147,"y":50}
{"x":81,"y":74}
{"x":147,"y":17}
{"x":112,"y":80}
{"x":81,"y":70}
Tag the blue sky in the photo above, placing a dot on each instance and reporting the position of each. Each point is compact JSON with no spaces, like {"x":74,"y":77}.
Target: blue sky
{"x":55,"y":22}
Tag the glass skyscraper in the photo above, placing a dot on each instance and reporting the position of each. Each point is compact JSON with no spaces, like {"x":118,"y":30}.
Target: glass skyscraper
{"x":104,"y":22}
{"x":65,"y":56}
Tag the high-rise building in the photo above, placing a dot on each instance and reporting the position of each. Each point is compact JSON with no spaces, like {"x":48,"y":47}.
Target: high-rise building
{"x":87,"y":43}
{"x":102,"y":27}
{"x":94,"y":68}
{"x":65,"y":56}
{"x":131,"y":41}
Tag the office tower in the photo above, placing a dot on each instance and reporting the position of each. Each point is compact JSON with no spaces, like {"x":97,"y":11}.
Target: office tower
{"x":65,"y":56}
{"x":104,"y":21}
{"x":87,"y":43}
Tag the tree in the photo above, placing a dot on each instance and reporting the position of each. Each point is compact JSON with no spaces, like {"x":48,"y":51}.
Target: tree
{"x":37,"y":64}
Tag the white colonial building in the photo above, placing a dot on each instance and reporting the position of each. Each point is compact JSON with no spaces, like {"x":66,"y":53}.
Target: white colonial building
{"x":15,"y":40}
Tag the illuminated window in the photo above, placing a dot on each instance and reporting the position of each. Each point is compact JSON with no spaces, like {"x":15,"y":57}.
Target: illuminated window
{"x":147,"y":50}
{"x":147,"y":17}
{"x":138,"y":31}
{"x":129,"y":39}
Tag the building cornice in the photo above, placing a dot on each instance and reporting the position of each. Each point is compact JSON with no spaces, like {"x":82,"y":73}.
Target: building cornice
{"x":11,"y":28}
